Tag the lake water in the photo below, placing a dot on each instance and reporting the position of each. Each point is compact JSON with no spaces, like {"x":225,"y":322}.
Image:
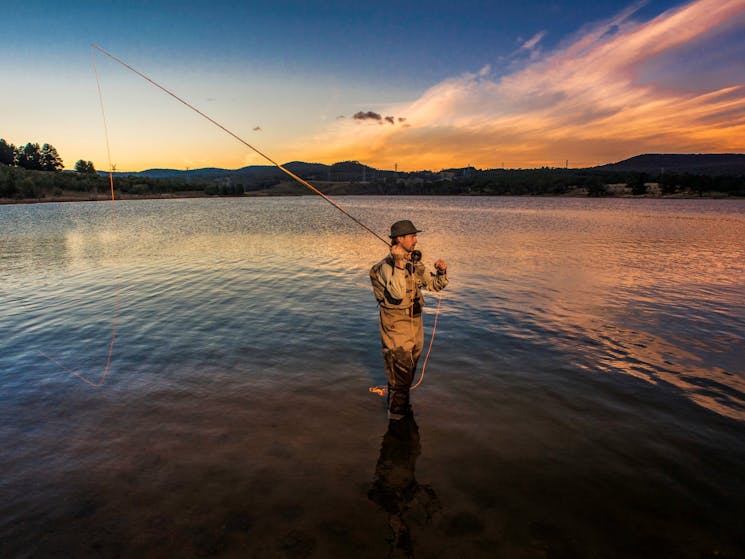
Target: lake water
{"x":585,"y":395}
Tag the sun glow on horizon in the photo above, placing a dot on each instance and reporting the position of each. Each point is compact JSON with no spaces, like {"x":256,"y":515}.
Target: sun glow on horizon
{"x":614,"y":89}
{"x":583,"y":102}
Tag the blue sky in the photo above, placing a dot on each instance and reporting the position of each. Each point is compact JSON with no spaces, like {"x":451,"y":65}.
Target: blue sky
{"x":482,"y":83}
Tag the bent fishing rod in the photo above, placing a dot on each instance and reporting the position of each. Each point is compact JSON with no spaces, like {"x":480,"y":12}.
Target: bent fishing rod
{"x":295,"y":177}
{"x":292,"y":175}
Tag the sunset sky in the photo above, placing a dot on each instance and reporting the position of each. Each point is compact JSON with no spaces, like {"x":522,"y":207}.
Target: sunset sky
{"x":423,"y":85}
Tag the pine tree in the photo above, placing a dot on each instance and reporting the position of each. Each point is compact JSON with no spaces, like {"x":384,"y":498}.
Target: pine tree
{"x":29,"y":157}
{"x":85,"y":167}
{"x":7,"y":152}
{"x":50,"y":159}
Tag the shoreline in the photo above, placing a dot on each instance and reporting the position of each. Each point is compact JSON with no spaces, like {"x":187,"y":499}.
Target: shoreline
{"x":195,"y":195}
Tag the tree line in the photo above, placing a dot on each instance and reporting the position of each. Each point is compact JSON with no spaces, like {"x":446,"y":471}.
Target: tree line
{"x":23,"y":184}
{"x":31,"y":156}
{"x":38,"y":158}
{"x":556,"y":182}
{"x":33,"y":171}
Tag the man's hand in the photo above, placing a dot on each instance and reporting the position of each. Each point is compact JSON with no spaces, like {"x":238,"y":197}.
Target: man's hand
{"x":399,"y":254}
{"x":441,"y":267}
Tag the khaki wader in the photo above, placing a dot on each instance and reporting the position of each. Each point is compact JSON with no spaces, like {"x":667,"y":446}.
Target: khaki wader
{"x":401,"y":328}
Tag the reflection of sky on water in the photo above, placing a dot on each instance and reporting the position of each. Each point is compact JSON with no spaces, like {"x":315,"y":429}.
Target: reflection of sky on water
{"x":649,"y":288}
{"x":236,"y":415}
{"x":656,"y":295}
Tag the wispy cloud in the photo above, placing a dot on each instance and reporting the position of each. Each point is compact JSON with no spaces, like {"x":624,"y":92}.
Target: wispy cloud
{"x":531,"y":43}
{"x":531,"y":46}
{"x":585,"y":101}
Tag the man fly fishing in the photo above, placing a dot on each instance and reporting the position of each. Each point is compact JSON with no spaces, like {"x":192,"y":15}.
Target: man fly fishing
{"x":397,"y":281}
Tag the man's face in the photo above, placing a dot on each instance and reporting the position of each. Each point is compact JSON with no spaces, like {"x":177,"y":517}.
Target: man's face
{"x":407,"y":242}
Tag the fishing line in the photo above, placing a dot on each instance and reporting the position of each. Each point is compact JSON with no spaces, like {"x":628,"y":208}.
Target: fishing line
{"x":255,"y":150}
{"x":107,"y":366}
{"x":381,"y":390}
{"x":431,"y":341}
{"x":241,"y":140}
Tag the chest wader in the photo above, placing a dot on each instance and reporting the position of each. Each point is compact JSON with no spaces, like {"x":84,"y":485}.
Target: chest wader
{"x":402,"y":336}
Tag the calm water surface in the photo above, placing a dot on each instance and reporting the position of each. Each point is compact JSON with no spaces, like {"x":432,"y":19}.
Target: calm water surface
{"x":585,"y":396}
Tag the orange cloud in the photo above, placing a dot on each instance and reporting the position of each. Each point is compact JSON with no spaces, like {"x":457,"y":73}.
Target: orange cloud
{"x":584,"y":102}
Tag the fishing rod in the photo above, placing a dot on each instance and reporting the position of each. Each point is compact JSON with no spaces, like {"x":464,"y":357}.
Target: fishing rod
{"x":303,"y":182}
{"x":241,"y":140}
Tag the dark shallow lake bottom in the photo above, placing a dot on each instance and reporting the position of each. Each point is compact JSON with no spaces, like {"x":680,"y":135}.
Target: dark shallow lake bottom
{"x":310,"y":470}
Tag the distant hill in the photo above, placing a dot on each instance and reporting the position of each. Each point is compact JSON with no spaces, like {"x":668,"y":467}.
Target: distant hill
{"x":342,"y":171}
{"x":720,"y":175}
{"x":713,"y":164}
{"x":206,"y":173}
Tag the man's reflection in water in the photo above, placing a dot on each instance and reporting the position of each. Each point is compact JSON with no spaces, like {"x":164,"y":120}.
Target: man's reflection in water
{"x":395,"y":488}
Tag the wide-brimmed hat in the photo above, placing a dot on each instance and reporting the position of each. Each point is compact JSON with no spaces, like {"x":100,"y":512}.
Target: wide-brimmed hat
{"x":403,"y":227}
